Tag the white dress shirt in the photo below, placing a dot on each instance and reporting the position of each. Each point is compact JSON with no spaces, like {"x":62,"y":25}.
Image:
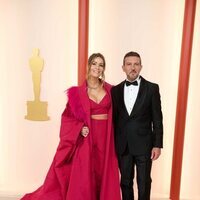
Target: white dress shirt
{"x":130,"y":95}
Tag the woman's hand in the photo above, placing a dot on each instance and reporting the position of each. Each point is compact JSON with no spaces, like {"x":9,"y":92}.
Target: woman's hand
{"x":85,"y":131}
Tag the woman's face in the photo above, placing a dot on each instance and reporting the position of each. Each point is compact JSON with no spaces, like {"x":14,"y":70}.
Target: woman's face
{"x":96,"y":67}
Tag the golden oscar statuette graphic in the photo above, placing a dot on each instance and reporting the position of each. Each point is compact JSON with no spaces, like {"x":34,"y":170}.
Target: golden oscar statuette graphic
{"x":36,"y":110}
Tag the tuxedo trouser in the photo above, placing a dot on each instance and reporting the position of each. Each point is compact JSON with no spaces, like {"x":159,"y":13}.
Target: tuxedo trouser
{"x":127,"y":165}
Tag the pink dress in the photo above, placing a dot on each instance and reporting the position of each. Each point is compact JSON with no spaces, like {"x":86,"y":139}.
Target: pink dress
{"x":83,"y":168}
{"x":99,"y":180}
{"x":98,"y":133}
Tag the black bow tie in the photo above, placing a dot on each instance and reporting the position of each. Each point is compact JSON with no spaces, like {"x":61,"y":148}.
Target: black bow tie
{"x":131,"y":83}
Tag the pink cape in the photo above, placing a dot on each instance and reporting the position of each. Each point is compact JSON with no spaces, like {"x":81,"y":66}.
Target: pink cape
{"x":65,"y":179}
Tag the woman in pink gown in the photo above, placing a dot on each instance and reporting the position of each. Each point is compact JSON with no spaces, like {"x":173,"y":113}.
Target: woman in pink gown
{"x":85,"y":164}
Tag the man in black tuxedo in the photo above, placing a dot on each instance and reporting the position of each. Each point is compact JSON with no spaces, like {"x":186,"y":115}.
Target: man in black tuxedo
{"x":138,"y":127}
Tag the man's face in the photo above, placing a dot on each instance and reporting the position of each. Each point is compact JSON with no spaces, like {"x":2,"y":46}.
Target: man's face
{"x":132,"y":67}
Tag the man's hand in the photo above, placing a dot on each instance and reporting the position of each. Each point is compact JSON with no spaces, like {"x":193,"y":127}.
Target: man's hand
{"x":155,"y":153}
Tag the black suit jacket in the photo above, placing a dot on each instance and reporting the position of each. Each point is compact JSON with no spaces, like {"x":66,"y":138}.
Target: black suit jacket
{"x":143,"y":128}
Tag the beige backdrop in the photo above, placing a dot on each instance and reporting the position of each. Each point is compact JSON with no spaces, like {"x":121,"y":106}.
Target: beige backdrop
{"x":153,"y":28}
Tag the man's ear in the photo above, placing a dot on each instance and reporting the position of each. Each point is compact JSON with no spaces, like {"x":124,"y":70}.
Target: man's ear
{"x":123,"y":67}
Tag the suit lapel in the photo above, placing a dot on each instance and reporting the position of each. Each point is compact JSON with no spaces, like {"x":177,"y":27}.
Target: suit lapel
{"x":121,"y":98}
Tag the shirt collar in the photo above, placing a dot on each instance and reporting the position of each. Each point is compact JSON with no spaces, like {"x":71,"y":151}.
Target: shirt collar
{"x":138,"y":79}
